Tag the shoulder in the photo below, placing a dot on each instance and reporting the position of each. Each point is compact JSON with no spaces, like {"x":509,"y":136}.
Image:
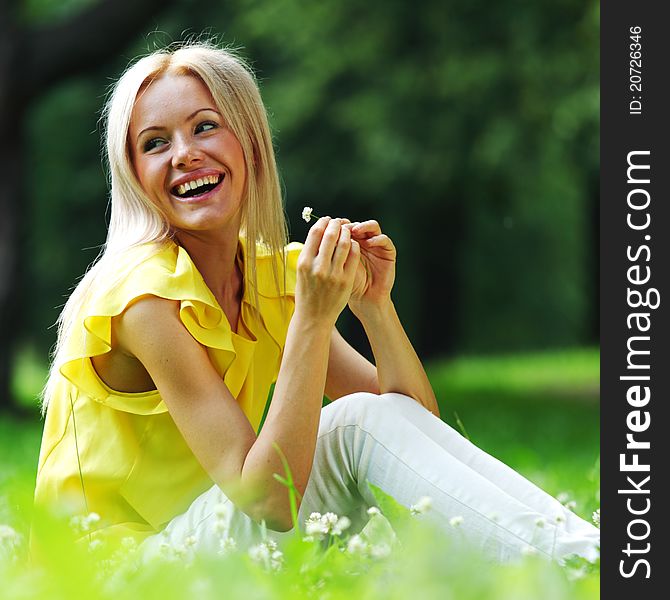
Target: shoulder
{"x":151,"y":322}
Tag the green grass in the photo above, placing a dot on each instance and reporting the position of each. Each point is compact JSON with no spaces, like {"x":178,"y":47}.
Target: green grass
{"x":538,"y":413}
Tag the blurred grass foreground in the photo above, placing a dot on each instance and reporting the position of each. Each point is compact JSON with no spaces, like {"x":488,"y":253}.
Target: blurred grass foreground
{"x":538,"y":413}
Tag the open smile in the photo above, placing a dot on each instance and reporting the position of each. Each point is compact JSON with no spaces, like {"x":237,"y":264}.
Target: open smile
{"x":197,"y":187}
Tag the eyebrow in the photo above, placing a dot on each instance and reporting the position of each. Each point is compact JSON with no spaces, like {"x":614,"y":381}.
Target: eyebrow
{"x":193,"y":114}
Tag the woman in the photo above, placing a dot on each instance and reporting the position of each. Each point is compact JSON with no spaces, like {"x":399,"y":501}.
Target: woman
{"x":169,"y":345}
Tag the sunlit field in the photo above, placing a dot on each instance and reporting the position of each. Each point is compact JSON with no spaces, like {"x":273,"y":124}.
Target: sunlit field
{"x":537,"y":412}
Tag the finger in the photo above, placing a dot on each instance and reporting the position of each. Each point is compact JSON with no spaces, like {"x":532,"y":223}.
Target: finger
{"x":351,"y":264}
{"x":342,"y":249}
{"x":329,"y":241}
{"x":350,"y":225}
{"x":314,"y":236}
{"x":366,"y":229}
{"x":379,"y":241}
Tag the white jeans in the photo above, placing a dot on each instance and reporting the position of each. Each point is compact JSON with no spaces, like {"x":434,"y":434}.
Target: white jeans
{"x":399,"y":446}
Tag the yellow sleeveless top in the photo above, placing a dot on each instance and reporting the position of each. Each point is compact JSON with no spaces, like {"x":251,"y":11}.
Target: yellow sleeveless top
{"x":120,"y":454}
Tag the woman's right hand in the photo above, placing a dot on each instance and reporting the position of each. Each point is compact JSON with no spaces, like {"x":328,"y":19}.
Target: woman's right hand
{"x":326,"y":270}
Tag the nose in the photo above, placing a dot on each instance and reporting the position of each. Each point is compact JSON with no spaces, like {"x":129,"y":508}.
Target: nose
{"x":185,"y":152}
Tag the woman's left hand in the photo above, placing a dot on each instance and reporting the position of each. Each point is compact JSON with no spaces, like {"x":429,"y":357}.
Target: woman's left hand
{"x":376,"y":270}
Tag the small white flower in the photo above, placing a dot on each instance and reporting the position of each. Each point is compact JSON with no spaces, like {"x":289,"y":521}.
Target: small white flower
{"x":10,"y":542}
{"x":267,"y":554}
{"x":380,"y":551}
{"x":94,"y":545}
{"x":315,"y":527}
{"x":596,"y":517}
{"x":456,"y":521}
{"x":9,"y":535}
{"x":571,"y":505}
{"x":129,"y":544}
{"x":356,"y":545}
{"x":574,"y":574}
{"x":329,"y":520}
{"x":540,"y":522}
{"x":81,"y":524}
{"x":559,"y":518}
{"x":221,"y":511}
{"x":307,"y":213}
{"x":220,"y":527}
{"x":318,"y":525}
{"x":190,"y":541}
{"x":423,"y":505}
{"x":563,"y":497}
{"x":373,"y":510}
{"x":227,"y":545}
{"x":342,"y":523}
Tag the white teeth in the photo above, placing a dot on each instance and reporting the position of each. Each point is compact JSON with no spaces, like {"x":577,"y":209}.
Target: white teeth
{"x":191,"y":185}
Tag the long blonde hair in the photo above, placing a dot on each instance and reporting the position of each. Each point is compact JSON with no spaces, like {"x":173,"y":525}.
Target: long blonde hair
{"x":135,"y":221}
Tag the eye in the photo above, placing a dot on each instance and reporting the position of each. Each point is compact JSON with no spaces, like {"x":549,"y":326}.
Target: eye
{"x":153,"y":143}
{"x":206,"y":126}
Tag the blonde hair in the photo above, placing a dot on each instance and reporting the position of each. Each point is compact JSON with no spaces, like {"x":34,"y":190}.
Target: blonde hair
{"x":135,"y":221}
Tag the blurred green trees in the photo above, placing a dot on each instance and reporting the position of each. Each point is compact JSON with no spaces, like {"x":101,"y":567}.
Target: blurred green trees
{"x":469,"y":129}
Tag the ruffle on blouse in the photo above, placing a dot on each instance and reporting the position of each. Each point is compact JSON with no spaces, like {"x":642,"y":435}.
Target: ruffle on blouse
{"x":170,"y":273}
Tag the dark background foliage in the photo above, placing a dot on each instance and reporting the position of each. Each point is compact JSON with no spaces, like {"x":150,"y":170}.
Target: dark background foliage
{"x":469,"y":129}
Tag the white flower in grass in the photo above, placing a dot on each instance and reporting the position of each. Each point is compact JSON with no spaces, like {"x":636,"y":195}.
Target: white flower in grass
{"x":571,"y":505}
{"x":307,"y":213}
{"x":317,"y":525}
{"x":574,"y":574}
{"x":220,"y":527}
{"x":596,"y":517}
{"x":227,"y":545}
{"x":560,"y":519}
{"x":190,"y":541}
{"x":540,"y":522}
{"x":563,"y":497}
{"x":221,"y":511}
{"x":356,"y":545}
{"x":373,"y":510}
{"x":342,"y":524}
{"x":95,"y":545}
{"x":456,"y":521}
{"x":129,"y":544}
{"x":423,"y":505}
{"x":380,"y":551}
{"x":267,"y":554}
{"x":10,"y":542}
{"x":81,"y":524}
{"x":259,"y":553}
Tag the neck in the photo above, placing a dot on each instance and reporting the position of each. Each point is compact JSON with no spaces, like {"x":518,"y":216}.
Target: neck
{"x":214,"y":257}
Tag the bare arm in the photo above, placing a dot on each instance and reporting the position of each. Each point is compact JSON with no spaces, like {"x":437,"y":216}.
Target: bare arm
{"x":203,"y":408}
{"x":348,"y":371}
{"x":398,"y":366}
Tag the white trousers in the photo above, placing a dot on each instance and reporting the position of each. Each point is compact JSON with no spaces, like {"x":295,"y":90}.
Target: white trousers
{"x":395,"y":443}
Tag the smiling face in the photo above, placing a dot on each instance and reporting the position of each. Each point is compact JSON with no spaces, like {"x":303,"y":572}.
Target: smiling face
{"x":186,"y":160}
